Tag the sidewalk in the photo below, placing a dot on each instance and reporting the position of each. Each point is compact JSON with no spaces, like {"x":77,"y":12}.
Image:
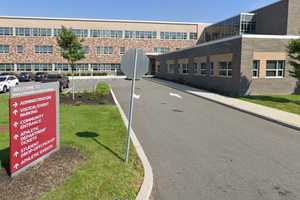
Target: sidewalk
{"x":284,"y":118}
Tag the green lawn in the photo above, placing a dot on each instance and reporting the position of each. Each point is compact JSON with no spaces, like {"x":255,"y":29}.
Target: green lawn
{"x":104,"y":175}
{"x":289,"y":103}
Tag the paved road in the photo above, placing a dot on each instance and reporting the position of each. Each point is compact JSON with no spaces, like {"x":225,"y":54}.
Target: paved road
{"x":202,"y":150}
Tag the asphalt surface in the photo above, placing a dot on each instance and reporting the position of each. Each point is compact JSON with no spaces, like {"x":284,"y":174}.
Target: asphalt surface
{"x":202,"y":150}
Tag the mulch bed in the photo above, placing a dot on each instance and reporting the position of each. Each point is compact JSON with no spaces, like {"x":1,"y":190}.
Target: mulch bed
{"x":41,"y":178}
{"x":87,"y":99}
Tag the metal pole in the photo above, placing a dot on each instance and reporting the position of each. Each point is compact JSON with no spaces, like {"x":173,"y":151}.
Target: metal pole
{"x":131,"y":108}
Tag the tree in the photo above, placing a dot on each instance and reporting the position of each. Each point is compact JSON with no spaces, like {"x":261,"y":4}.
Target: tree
{"x":294,"y":54}
{"x":71,"y":50}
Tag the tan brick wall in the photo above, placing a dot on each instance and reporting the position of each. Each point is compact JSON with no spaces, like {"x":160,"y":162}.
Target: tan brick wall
{"x":29,"y":56}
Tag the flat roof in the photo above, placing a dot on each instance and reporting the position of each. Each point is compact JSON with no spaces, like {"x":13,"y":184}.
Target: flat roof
{"x":100,"y":20}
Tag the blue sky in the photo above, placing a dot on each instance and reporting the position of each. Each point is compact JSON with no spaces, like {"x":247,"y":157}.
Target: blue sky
{"x":170,"y":10}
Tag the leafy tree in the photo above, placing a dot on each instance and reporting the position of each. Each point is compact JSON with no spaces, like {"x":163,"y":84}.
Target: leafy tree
{"x":71,"y":49}
{"x":294,"y":54}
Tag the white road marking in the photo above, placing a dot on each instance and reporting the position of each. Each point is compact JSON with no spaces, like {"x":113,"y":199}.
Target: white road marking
{"x":176,"y":95}
{"x":136,"y":96}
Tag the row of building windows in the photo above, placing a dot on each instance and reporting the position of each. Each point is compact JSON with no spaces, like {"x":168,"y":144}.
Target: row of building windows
{"x":48,"y":49}
{"x":41,"y":67}
{"x":224,"y":70}
{"x":274,"y":69}
{"x":107,"y":33}
{"x":36,"y":32}
{"x":33,"y":32}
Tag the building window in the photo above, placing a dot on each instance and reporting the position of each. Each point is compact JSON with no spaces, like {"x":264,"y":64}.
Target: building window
{"x":62,"y":67}
{"x":105,"y":67}
{"x":173,"y":36}
{"x":33,"y":32}
{"x":177,"y":49}
{"x":203,"y":69}
{"x":211,"y":69}
{"x":4,"y":48}
{"x":104,"y":50}
{"x":275,"y":68}
{"x":42,"y":67}
{"x":122,"y":50}
{"x":161,"y":50}
{"x":81,"y":67}
{"x":6,"y":67}
{"x":24,"y":67}
{"x":141,"y":34}
{"x":185,"y":68}
{"x":20,"y":48}
{"x":248,"y":23}
{"x":225,"y":69}
{"x":6,"y":31}
{"x":86,"y":49}
{"x":193,"y":36}
{"x":255,"y":68}
{"x":43,"y":49}
{"x":107,"y":33}
{"x":77,"y":32}
{"x":195,"y":68}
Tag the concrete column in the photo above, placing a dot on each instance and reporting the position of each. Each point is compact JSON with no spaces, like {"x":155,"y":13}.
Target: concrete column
{"x":15,"y":67}
{"x":53,"y":67}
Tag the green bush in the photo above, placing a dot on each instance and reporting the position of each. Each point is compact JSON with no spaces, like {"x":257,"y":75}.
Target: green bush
{"x":103,"y":89}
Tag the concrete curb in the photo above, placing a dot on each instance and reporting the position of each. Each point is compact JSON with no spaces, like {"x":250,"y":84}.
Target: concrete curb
{"x":96,"y":77}
{"x":274,"y":115}
{"x":146,"y":188}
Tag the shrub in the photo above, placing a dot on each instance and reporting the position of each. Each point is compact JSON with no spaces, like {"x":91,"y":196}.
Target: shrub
{"x":103,"y":89}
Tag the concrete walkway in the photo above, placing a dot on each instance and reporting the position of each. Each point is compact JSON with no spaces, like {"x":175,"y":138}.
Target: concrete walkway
{"x":284,"y":118}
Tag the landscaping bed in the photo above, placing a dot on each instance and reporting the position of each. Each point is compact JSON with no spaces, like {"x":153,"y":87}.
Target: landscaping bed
{"x":42,"y":177}
{"x":93,"y":138}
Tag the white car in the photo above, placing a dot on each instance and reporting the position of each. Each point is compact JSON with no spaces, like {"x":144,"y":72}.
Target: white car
{"x":7,"y":82}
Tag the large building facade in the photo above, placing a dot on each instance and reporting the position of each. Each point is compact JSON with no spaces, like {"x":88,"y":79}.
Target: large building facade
{"x":242,"y":55}
{"x":29,"y":43}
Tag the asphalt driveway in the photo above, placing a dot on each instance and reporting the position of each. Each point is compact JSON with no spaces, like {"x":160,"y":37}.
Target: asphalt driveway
{"x":202,"y":150}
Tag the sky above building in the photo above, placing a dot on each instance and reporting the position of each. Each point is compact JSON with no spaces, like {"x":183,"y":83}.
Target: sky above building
{"x":167,"y":10}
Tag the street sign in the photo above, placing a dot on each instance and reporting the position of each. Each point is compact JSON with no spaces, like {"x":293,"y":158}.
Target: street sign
{"x":128,"y":63}
{"x":34,"y":124}
{"x":135,"y":64}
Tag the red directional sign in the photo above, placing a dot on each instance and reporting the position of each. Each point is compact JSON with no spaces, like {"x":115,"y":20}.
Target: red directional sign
{"x":33,"y":129}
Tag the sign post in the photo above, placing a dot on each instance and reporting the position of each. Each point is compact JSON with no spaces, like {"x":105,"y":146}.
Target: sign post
{"x":34,"y":124}
{"x":134,"y":65}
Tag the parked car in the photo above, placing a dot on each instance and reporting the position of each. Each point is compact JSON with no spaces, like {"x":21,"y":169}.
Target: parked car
{"x":41,"y":76}
{"x":24,"y":77}
{"x":63,"y":80}
{"x":7,"y":82}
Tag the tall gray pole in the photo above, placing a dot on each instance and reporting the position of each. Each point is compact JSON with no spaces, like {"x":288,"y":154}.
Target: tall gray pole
{"x":131,"y":107}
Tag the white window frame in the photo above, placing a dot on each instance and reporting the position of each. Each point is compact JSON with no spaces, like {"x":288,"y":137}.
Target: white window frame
{"x":277,"y":70}
{"x":184,"y":69}
{"x":203,"y":69}
{"x":257,"y":63}
{"x":226,"y":70}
